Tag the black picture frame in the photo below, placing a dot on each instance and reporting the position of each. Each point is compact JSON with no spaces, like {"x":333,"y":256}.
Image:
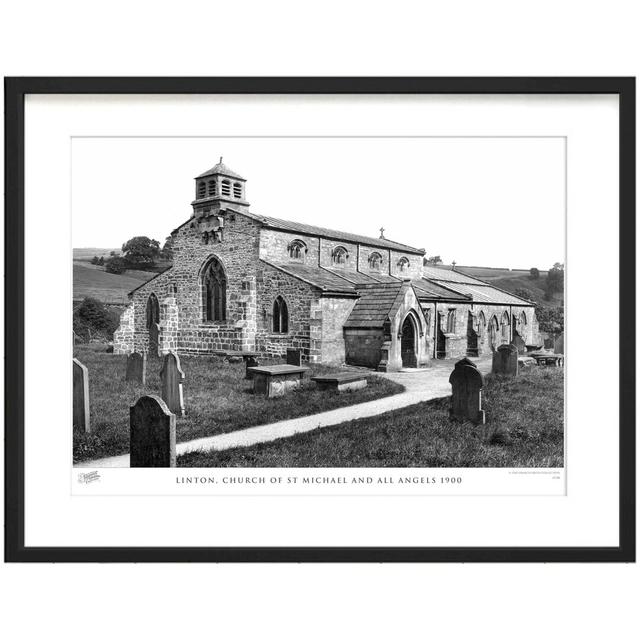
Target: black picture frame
{"x":15,"y":91}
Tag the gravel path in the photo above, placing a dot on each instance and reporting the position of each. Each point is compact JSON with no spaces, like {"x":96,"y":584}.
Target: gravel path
{"x":419,"y":384}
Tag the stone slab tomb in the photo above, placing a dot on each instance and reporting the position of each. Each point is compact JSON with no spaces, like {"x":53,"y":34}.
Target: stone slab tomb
{"x":505,"y":360}
{"x":136,"y":368}
{"x":294,"y":357}
{"x":340,"y":382}
{"x":171,"y":378}
{"x":152,"y":429}
{"x":466,"y":393}
{"x":81,"y":415}
{"x":277,"y":380}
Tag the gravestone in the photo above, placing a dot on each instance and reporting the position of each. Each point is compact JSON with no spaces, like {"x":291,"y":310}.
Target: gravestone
{"x":171,"y":377}
{"x":136,"y":367}
{"x":152,"y":432}
{"x":519,"y":344}
{"x":154,"y":340}
{"x":558,"y":344}
{"x":505,"y":360}
{"x":251,"y":361}
{"x":466,"y":393}
{"x":81,"y":416}
{"x":294,"y":357}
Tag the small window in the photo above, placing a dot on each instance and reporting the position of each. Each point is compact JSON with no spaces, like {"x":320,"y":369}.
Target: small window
{"x":297,"y":250}
{"x":451,"y":321}
{"x":339,"y":255}
{"x":212,"y":191}
{"x":375,"y":261}
{"x":202,"y":189}
{"x":280,"y":316}
{"x":226,"y":188}
{"x":237,"y":190}
{"x":403,"y":264}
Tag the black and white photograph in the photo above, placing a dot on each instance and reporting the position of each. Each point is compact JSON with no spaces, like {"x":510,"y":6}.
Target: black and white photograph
{"x":350,"y":301}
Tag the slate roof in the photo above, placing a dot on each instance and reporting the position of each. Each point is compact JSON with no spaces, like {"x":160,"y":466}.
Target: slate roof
{"x":309,"y":229}
{"x":426,"y":289}
{"x":375,"y":304}
{"x":355,"y":277}
{"x":477,"y":290}
{"x":221,"y":169}
{"x":321,"y":278}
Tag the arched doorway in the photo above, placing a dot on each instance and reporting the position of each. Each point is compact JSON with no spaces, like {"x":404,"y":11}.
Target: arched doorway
{"x":408,"y":343}
{"x":472,"y":338}
{"x":153,"y":324}
{"x":441,"y":342}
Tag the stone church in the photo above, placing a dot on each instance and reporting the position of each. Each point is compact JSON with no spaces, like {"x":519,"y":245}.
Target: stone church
{"x":246,"y":282}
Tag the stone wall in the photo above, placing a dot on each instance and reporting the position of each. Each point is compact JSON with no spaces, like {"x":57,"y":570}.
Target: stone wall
{"x":335,"y":312}
{"x":274,"y":247}
{"x":364,"y":346}
{"x":299,"y":298}
{"x":457,"y":343}
{"x":123,"y":337}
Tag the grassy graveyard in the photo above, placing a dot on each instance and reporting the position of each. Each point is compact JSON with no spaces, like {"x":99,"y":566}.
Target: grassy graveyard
{"x":524,"y":429}
{"x":217,"y":399}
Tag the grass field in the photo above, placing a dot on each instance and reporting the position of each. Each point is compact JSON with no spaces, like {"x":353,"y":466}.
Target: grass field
{"x":217,"y":400}
{"x":524,"y":429}
{"x":90,"y":280}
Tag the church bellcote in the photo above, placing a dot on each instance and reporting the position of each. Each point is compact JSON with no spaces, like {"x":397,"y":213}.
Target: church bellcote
{"x":218,"y":188}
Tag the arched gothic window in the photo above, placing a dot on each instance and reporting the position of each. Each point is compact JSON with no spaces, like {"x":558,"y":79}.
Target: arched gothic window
{"x":505,"y":325}
{"x":297,"y":249}
{"x":214,"y":292}
{"x":202,"y":189}
{"x":403,"y":264}
{"x":482,"y":323}
{"x":212,"y":191}
{"x":339,"y":255}
{"x":280,"y":316}
{"x":375,"y":261}
{"x":451,"y":321}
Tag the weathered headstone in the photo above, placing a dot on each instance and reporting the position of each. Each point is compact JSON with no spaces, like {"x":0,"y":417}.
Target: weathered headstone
{"x":558,"y":344}
{"x":466,"y":393}
{"x":154,"y":340}
{"x":519,"y":344}
{"x":152,"y":434}
{"x":505,"y":360}
{"x":251,"y":361}
{"x":81,"y":416}
{"x":294,"y":357}
{"x":171,"y":377}
{"x":136,"y":367}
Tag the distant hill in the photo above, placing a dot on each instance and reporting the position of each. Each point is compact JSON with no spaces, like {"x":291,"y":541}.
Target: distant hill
{"x":90,"y":280}
{"x":86,"y":253}
{"x":512,"y":280}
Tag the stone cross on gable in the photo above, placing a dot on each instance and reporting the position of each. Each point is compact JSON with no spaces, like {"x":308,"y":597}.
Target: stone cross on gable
{"x":381,"y":233}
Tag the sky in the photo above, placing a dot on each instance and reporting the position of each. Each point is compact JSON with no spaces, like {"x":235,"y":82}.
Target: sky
{"x":497,"y":202}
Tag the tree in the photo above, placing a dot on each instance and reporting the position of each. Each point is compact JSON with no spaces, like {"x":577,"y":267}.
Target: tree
{"x":524,"y":293}
{"x":92,"y":319}
{"x":100,"y":261}
{"x":534,"y":273}
{"x":555,"y":280}
{"x":141,"y":252}
{"x":550,"y":319}
{"x":433,"y":260}
{"x":116,"y":265}
{"x":95,"y":260}
{"x":167,"y":249}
